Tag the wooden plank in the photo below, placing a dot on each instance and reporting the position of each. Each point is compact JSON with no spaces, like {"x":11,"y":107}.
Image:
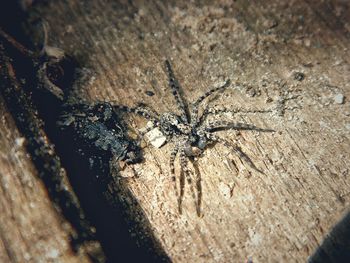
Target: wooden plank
{"x":280,"y":55}
{"x":31,"y":230}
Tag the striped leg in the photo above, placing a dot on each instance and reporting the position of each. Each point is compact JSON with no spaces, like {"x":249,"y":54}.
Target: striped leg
{"x":175,"y":89}
{"x":234,"y":111}
{"x":147,"y":108}
{"x":226,"y":125}
{"x":143,"y":112}
{"x":173,"y":177}
{"x":214,"y":111}
{"x":195,"y":105}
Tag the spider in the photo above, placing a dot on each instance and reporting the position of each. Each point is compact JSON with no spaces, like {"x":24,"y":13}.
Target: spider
{"x":191,"y":134}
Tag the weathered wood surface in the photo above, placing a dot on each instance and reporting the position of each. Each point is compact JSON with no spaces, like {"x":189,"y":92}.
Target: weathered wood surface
{"x":31,"y":230}
{"x":279,"y":216}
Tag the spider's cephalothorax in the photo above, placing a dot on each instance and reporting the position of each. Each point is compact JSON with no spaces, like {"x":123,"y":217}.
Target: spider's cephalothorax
{"x":193,"y":140}
{"x":191,"y":132}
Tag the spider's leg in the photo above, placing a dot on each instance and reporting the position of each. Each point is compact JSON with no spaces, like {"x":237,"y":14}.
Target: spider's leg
{"x":143,"y":112}
{"x":215,"y":111}
{"x":184,"y":167}
{"x":173,"y":177}
{"x":234,"y":111}
{"x":195,"y":105}
{"x":147,"y":108}
{"x":175,"y":89}
{"x":226,"y":125}
{"x":237,"y":150}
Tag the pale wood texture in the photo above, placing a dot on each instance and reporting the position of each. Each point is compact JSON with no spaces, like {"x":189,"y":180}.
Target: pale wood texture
{"x":31,"y":230}
{"x":279,"y":216}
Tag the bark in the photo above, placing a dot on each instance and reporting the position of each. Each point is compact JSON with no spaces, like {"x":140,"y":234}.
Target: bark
{"x":31,"y":228}
{"x":291,"y":57}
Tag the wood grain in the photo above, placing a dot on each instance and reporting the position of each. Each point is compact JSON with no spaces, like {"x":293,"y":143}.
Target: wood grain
{"x":279,"y":216}
{"x":31,"y":230}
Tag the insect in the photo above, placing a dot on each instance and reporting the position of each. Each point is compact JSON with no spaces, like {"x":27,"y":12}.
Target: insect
{"x":191,"y":133}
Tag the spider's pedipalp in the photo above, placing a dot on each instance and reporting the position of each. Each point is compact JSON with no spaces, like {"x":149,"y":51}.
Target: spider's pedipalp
{"x":175,"y":90}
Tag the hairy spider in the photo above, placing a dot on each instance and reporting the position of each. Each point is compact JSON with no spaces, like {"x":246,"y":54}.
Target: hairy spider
{"x":191,"y":133}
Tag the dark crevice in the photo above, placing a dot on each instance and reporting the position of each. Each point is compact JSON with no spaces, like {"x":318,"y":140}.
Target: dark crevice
{"x":99,"y":192}
{"x":97,"y":202}
{"x":41,"y":150}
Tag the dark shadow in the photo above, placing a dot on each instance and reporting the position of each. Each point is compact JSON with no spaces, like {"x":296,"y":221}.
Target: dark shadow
{"x":99,"y":194}
{"x":122,"y":238}
{"x":336,"y":246}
